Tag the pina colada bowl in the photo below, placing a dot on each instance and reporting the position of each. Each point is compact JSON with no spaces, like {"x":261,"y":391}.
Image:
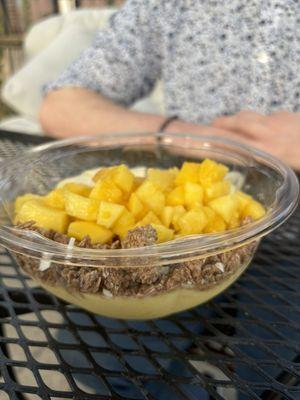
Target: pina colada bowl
{"x":139,"y":226}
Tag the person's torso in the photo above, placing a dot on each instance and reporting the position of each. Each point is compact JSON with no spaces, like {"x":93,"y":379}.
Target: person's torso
{"x":223,"y":56}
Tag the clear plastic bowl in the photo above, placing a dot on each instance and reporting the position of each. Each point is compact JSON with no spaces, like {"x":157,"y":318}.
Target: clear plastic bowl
{"x":158,"y":280}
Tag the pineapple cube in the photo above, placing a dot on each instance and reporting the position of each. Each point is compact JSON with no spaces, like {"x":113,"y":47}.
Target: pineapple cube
{"x":123,"y":178}
{"x":216,"y":189}
{"x":243,"y":200}
{"x":163,"y":234}
{"x":44,"y":216}
{"x":106,"y":190}
{"x":55,"y":199}
{"x":78,"y":188}
{"x":254,"y":210}
{"x":178,"y":211}
{"x":81,"y":207}
{"x":103,"y":173}
{"x":174,"y":171}
{"x":138,"y":180}
{"x":210,"y":213}
{"x":23,"y":199}
{"x":164,"y":180}
{"x":176,"y":197}
{"x":167,"y":215}
{"x":188,"y":173}
{"x":234,"y":222}
{"x":193,"y":194}
{"x":210,"y":172}
{"x":149,"y":218}
{"x":193,"y":221}
{"x":109,"y":213}
{"x":217,"y":224}
{"x":124,"y":224}
{"x":151,"y":197}
{"x":97,"y":234}
{"x":136,"y":207}
{"x":225,"y":206}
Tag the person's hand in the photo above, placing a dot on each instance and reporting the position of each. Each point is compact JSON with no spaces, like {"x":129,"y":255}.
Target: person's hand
{"x":179,"y":126}
{"x":188,"y":147}
{"x":278,"y":133}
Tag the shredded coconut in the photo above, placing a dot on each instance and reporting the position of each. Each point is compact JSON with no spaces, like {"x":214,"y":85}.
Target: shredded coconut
{"x":107,"y":293}
{"x":220,"y":266}
{"x":45,"y":262}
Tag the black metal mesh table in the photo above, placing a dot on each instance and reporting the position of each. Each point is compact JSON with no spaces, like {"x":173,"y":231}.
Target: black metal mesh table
{"x":243,"y":345}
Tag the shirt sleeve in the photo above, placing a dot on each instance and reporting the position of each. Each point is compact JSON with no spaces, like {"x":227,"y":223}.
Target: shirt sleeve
{"x":125,"y":59}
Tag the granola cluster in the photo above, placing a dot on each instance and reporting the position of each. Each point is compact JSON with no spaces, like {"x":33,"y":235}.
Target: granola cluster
{"x":138,"y":281}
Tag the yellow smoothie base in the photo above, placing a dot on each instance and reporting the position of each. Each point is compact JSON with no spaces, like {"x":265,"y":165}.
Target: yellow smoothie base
{"x":155,"y":306}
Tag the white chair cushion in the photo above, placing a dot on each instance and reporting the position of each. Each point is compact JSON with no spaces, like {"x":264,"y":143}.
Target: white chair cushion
{"x":23,"y":91}
{"x":41,"y":35}
{"x":21,"y":124}
{"x":51,"y":46}
{"x":43,"y":32}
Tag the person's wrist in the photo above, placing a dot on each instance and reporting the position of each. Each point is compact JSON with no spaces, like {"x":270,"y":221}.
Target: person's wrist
{"x":174,"y":126}
{"x":166,"y":122}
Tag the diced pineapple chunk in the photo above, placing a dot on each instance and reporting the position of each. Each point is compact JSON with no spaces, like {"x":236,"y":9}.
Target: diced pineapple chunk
{"x":193,"y":221}
{"x":216,"y":189}
{"x":167,"y":215}
{"x":194,"y":200}
{"x":216,"y":224}
{"x":78,"y":188}
{"x":109,"y":213}
{"x":55,"y":199}
{"x":193,"y":194}
{"x":174,"y":171}
{"x":123,"y":178}
{"x":106,"y":190}
{"x":234,"y":222}
{"x":149,"y":218}
{"x":163,"y":234}
{"x":164,"y":180}
{"x":44,"y":216}
{"x":176,"y":197}
{"x":124,"y":224}
{"x":243,"y":200}
{"x":97,"y":234}
{"x":23,"y":199}
{"x":103,"y":173}
{"x":188,"y":173}
{"x":178,"y":211}
{"x":121,"y":175}
{"x":225,"y":206}
{"x":254,"y":210}
{"x":151,"y":197}
{"x":138,"y":180}
{"x":210,"y":213}
{"x":81,"y":207}
{"x":136,"y":207}
{"x":211,"y":171}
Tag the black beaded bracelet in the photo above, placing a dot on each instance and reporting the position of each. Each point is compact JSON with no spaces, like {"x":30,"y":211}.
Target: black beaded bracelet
{"x":166,"y":123}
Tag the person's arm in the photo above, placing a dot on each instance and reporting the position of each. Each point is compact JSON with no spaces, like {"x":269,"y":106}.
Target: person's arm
{"x":76,"y":111}
{"x":278,"y":133}
{"x":121,"y":66}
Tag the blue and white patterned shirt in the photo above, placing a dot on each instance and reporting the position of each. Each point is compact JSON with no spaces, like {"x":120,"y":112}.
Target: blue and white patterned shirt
{"x":214,"y":57}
